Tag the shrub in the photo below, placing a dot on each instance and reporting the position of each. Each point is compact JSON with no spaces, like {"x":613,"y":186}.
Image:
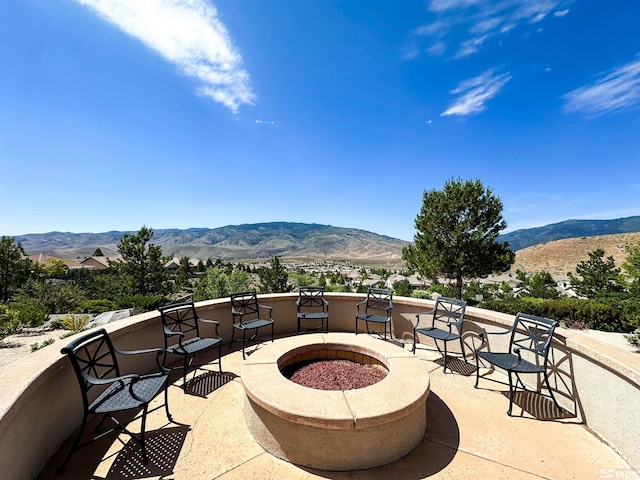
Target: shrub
{"x":596,"y":314}
{"x":634,"y":338}
{"x":31,"y":313}
{"x":140,"y":303}
{"x":35,"y":346}
{"x":96,"y":306}
{"x":9,"y":321}
{"x":75,"y":323}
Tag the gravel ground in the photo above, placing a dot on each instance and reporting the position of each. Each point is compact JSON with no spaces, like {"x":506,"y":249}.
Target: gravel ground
{"x":17,"y":346}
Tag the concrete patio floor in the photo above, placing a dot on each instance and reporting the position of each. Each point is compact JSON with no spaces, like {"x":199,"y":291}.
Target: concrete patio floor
{"x":469,"y":435}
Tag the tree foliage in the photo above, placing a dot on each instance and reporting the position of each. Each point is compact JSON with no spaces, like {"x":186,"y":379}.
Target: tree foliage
{"x":15,"y":267}
{"x":274,"y":279}
{"x":217,"y":284}
{"x":457,"y":230}
{"x":142,"y":264}
{"x":631,"y":267}
{"x":598,"y":275}
{"x":541,"y":285}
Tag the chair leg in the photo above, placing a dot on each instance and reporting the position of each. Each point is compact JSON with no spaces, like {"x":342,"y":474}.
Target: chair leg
{"x":444,"y":369}
{"x":414,"y":342}
{"x":145,"y":459}
{"x":166,"y":402}
{"x":220,"y":356}
{"x":243,"y":343}
{"x":510,"y":394}
{"x":184,"y":374}
{"x":272,"y":325}
{"x":356,"y":331}
{"x":233,"y":331}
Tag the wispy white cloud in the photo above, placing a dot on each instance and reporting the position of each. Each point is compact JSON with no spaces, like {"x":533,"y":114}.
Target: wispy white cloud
{"x":615,"y":91}
{"x":437,"y":48}
{"x":265,"y":122}
{"x":188,"y":34}
{"x":473,"y":22}
{"x":475,"y":92}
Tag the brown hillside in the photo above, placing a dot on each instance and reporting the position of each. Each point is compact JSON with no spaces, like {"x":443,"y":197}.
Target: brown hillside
{"x":562,"y":256}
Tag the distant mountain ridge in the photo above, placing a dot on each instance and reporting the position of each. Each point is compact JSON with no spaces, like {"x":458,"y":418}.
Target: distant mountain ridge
{"x":520,"y":239}
{"x":233,"y":242}
{"x":296,"y":240}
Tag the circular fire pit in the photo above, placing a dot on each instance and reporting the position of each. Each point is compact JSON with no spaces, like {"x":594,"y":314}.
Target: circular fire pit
{"x":331,"y":429}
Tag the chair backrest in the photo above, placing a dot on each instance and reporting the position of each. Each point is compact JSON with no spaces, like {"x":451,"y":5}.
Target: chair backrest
{"x":449,"y":310}
{"x":378,"y":299}
{"x":311,"y":297}
{"x":246,"y":304}
{"x":92,"y":354}
{"x":532,"y":334}
{"x":180,"y":317}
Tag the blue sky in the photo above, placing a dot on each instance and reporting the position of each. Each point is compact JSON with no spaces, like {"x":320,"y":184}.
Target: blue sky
{"x":194,"y":113}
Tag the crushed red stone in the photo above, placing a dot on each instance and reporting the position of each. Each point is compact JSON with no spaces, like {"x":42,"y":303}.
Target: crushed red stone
{"x":336,"y":375}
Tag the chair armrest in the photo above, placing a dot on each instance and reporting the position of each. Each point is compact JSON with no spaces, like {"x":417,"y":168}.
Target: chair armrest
{"x":269,"y":308}
{"x":169,"y":332}
{"x":212,"y":322}
{"x":235,"y":312}
{"x":216,"y":322}
{"x":483,"y":336}
{"x":159,"y":351}
{"x":107,"y":381}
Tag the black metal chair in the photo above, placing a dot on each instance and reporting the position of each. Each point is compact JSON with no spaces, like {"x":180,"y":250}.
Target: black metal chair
{"x":106,"y":391}
{"x":245,"y":310}
{"x":530,"y":335}
{"x":312,"y":310}
{"x":447,"y":317}
{"x":377,"y":308}
{"x":181,"y":320}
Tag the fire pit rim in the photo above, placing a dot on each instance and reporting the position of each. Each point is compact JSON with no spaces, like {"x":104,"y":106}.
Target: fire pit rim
{"x":403,"y":390}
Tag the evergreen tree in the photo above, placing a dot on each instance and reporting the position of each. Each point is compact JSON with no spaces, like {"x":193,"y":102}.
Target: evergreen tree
{"x":142,"y":264}
{"x":274,"y":279}
{"x":457,"y":230}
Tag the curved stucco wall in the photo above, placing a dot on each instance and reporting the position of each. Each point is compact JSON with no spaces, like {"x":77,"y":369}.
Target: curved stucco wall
{"x":40,"y":405}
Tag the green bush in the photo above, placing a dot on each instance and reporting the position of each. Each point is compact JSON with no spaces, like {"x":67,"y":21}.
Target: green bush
{"x":96,"y":306}
{"x":596,"y":314}
{"x":31,"y":313}
{"x":9,"y":321}
{"x":140,"y":303}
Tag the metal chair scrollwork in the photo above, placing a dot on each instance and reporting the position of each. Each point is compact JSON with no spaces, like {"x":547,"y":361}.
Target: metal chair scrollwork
{"x":107,"y":391}
{"x":376,"y":309}
{"x":312,"y":310}
{"x":246,"y":313}
{"x":447,"y":318}
{"x":528,"y":352}
{"x":180,"y":322}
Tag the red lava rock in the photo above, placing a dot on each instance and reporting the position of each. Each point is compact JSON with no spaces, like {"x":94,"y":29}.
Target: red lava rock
{"x":337,"y":375}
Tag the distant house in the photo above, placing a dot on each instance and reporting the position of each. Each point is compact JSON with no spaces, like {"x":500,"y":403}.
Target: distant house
{"x":97,"y":262}
{"x":174,"y":263}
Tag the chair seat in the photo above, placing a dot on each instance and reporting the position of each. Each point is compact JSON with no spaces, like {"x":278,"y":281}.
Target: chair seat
{"x":257,"y":323}
{"x":374,"y":318}
{"x":510,"y":362}
{"x":193,"y":345}
{"x":118,"y":397}
{"x":438,"y":333}
{"x":313,"y":315}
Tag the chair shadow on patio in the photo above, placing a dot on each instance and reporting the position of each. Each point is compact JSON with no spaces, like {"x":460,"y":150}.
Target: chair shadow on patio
{"x":208,"y":382}
{"x":561,"y":376}
{"x":163,"y":447}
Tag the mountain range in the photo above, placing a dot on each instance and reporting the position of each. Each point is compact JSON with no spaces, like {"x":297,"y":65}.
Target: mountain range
{"x":295,"y":240}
